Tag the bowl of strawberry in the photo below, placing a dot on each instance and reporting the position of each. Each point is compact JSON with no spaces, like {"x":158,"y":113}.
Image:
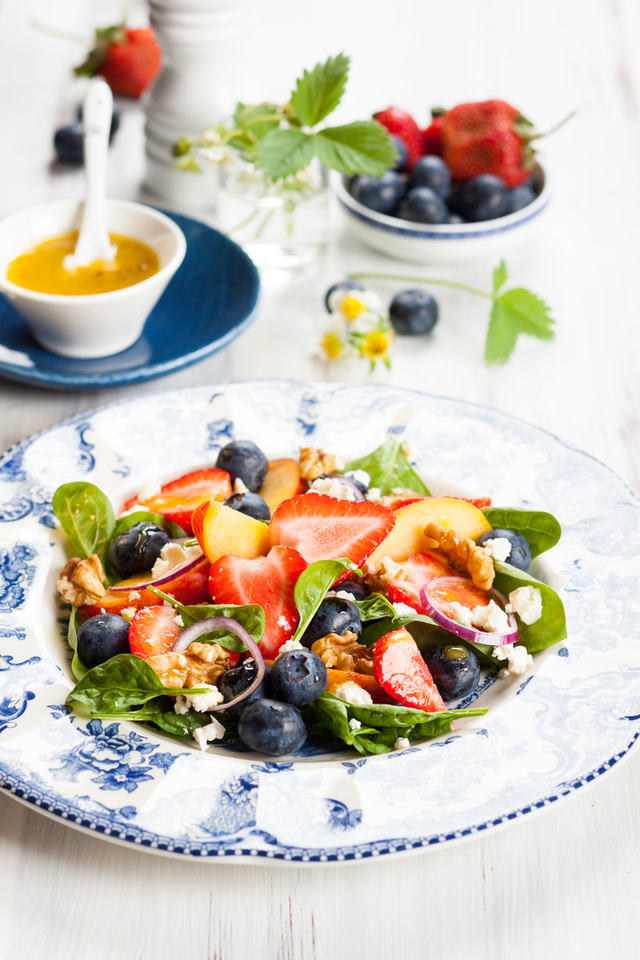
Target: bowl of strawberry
{"x":461,"y":189}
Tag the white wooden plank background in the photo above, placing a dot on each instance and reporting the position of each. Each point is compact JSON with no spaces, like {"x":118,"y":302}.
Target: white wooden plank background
{"x":561,"y":885}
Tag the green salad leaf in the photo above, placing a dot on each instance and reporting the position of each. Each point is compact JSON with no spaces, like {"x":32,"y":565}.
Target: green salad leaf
{"x":312,"y":585}
{"x":250,"y":616}
{"x":86,"y":516}
{"x":319,"y":91}
{"x":541,"y":530}
{"x":77,"y":666}
{"x":552,"y":625}
{"x":160,"y":711}
{"x":389,"y":469}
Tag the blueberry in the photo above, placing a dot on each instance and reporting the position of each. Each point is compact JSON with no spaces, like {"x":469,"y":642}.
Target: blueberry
{"x":344,"y":286}
{"x":455,"y":670}
{"x":332,"y":616}
{"x":68,"y":143}
{"x":520,"y":197}
{"x":431,"y":171}
{"x":234,"y":681}
{"x":423,"y":205}
{"x":403,"y":154}
{"x":483,"y":198}
{"x":138,"y":548}
{"x":357,"y":589}
{"x":250,"y":504}
{"x":413,"y":312}
{"x":455,"y":218}
{"x":115,"y":120}
{"x":272,"y":727}
{"x":536,"y":180}
{"x":520,"y":555}
{"x":243,"y":459}
{"x":102,"y":637}
{"x":298,"y":677}
{"x":360,"y":484}
{"x":381,"y":193}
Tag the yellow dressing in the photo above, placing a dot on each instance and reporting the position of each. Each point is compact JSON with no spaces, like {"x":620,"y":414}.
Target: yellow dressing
{"x":41,"y":268}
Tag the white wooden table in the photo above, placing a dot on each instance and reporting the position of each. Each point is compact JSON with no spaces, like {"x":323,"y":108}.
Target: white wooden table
{"x":565,"y":884}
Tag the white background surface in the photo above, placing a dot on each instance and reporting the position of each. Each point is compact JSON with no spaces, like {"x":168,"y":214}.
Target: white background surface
{"x":564,"y":884}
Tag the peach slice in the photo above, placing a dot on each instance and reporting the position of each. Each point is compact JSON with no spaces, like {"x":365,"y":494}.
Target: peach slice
{"x":221,"y":531}
{"x":281,"y":482}
{"x":407,"y":536}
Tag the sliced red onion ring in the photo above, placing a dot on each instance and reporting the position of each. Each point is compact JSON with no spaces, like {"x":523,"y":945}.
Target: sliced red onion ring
{"x":165,"y":578}
{"x":467,"y":633}
{"x":203,"y":627}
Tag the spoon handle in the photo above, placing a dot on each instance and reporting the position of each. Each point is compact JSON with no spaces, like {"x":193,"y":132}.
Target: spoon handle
{"x":93,"y":242}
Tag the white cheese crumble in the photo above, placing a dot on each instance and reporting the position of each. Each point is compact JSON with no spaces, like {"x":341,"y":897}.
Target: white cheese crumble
{"x":332,"y":487}
{"x":352,"y":693}
{"x":390,"y":570}
{"x":403,"y":609}
{"x":149,"y":489}
{"x":201,"y":701}
{"x":178,"y":619}
{"x":527,"y":603}
{"x":361,"y":476}
{"x":498,"y":549}
{"x":462,"y":614}
{"x":134,"y":595}
{"x":491,"y":618}
{"x":402,"y":743}
{"x":239,"y":486}
{"x":343,"y":595}
{"x":128,"y":613}
{"x":289,"y":645}
{"x":172,"y":555}
{"x":134,"y":509}
{"x":373,"y":495}
{"x":354,"y":724}
{"x":519,"y":660}
{"x":204,"y":735}
{"x":283,"y":622}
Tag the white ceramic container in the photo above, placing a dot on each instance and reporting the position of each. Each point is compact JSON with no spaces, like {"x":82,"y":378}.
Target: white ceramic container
{"x":94,"y":325}
{"x":439,"y":243}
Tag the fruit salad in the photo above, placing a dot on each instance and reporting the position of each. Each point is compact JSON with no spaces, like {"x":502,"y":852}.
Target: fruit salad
{"x":265,"y":602}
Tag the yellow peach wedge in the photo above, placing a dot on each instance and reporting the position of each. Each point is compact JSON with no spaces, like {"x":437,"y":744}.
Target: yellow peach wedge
{"x":407,"y":536}
{"x":221,"y":531}
{"x":281,"y":482}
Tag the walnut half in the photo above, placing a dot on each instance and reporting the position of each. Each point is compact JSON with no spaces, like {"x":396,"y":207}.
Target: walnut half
{"x":81,"y":581}
{"x":201,"y":663}
{"x":463,"y":554}
{"x":315,"y":463}
{"x":344,"y":653}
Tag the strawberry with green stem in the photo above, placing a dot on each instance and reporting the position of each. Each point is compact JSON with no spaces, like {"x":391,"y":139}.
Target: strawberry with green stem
{"x":129,"y":60}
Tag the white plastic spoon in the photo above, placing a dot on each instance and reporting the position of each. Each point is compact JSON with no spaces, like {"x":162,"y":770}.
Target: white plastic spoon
{"x":93,"y":241}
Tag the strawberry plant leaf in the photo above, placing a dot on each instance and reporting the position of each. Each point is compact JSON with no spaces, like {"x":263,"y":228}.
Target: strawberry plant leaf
{"x":284,"y":152}
{"x":360,"y":147}
{"x":499,"y":275}
{"x":319,"y":92}
{"x":256,"y":122}
{"x":514,"y":312}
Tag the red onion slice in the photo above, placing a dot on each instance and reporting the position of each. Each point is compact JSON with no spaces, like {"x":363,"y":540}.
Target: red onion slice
{"x":165,"y":578}
{"x":467,"y":633}
{"x":203,"y":627}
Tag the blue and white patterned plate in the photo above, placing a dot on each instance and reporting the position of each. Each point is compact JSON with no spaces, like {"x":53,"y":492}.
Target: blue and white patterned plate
{"x":543,"y":738}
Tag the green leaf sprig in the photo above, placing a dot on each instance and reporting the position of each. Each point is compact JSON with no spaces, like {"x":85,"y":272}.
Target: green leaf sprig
{"x":281,"y":140}
{"x":513,"y":312}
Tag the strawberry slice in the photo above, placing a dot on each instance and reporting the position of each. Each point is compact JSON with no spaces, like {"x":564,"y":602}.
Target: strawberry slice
{"x":400,"y":670}
{"x":463,"y":592}
{"x":478,"y":502}
{"x":398,"y":503}
{"x":324,"y":528}
{"x":153,"y":631}
{"x":421,"y":568}
{"x":268,"y":581}
{"x":188,"y":588}
{"x":178,"y":499}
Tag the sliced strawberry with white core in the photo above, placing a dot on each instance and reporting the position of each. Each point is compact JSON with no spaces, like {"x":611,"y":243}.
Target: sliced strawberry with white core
{"x":324,"y":528}
{"x":420,"y":568}
{"x":268,"y":581}
{"x":400,"y":670}
{"x":153,"y":631}
{"x":178,"y":499}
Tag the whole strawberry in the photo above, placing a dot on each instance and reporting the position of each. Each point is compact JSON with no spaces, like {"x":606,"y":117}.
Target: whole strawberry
{"x":129,"y":60}
{"x":404,"y":126}
{"x":432,"y":135}
{"x":490,"y":137}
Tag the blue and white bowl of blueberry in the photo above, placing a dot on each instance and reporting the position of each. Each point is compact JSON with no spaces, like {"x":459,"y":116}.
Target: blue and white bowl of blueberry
{"x":423,"y":217}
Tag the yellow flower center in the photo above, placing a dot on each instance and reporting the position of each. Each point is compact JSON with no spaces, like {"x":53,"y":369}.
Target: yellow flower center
{"x":375,"y":345}
{"x":331,"y":346}
{"x":351,"y":308}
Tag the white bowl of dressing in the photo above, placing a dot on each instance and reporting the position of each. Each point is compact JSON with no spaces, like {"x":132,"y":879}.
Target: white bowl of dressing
{"x":97,"y":324}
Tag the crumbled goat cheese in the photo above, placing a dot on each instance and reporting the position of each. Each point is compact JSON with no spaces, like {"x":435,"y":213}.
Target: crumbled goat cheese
{"x":201,"y":701}
{"x":289,"y":645}
{"x":354,"y":724}
{"x":498,"y":549}
{"x":134,"y":509}
{"x":283,"y":622}
{"x":491,"y":618}
{"x":527,"y":603}
{"x":172,"y":555}
{"x":373,"y":495}
{"x":149,"y":489}
{"x":390,"y":570}
{"x":128,"y":613}
{"x":239,"y":486}
{"x":462,"y":615}
{"x":402,"y":744}
{"x":212,"y":731}
{"x":403,"y":609}
{"x":352,"y":693}
{"x":178,"y":619}
{"x":134,"y":595}
{"x":343,"y":595}
{"x":519,"y":660}
{"x":332,"y":487}
{"x":360,"y":476}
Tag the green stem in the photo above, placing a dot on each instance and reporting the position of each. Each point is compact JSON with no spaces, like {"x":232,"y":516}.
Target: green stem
{"x":260,"y":229}
{"x":441,"y":283}
{"x":239,"y":226}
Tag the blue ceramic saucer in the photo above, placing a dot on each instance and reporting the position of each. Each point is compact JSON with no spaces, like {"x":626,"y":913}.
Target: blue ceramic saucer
{"x":210,"y":301}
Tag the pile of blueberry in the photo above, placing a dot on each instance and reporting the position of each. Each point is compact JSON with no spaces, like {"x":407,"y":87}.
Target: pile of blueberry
{"x":68,"y":142}
{"x":427,"y":194}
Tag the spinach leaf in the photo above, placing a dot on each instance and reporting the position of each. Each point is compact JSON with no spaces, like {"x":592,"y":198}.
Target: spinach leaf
{"x":86,"y":516}
{"x":552,"y":625}
{"x":374,"y":607}
{"x":382,"y":724}
{"x":312,"y":585}
{"x":160,"y":711}
{"x":120,"y":683}
{"x":250,"y":616}
{"x":77,"y":666}
{"x":389,"y":469}
{"x":541,"y":530}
